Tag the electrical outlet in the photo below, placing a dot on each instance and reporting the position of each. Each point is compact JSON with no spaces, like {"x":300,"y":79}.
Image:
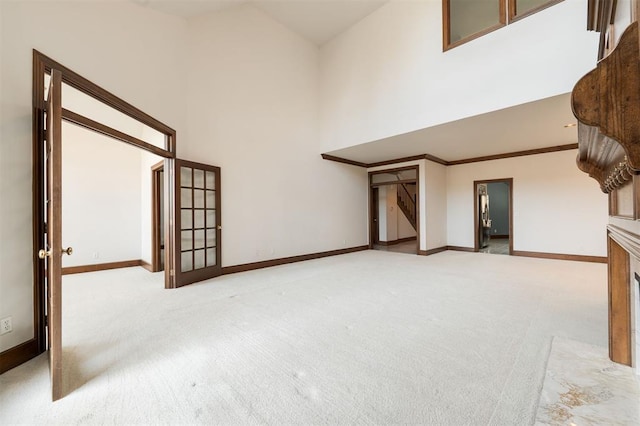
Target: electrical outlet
{"x":96,"y":255}
{"x":5,"y":325}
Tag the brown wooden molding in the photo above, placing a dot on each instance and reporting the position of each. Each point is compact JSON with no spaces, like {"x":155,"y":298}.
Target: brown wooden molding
{"x":432,"y":251}
{"x":286,"y":260}
{"x":103,"y":129}
{"x":395,"y":169}
{"x":435,"y":159}
{"x":558,"y":256}
{"x":101,"y":267}
{"x":18,"y":354}
{"x":396,"y":161}
{"x":628,"y":240}
{"x":499,"y":236}
{"x":394,"y":182}
{"x":75,"y":80}
{"x":536,"y":151}
{"x":343,"y":160}
{"x":458,"y":248}
{"x":596,"y":153}
{"x":514,"y":17}
{"x":411,"y":158}
{"x":606,"y":102}
{"x":146,"y":265}
{"x":398,"y":241}
{"x":446,"y":35}
{"x":157,"y":206}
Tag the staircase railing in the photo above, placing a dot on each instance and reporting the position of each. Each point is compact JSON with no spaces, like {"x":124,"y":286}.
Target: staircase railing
{"x":407,"y":204}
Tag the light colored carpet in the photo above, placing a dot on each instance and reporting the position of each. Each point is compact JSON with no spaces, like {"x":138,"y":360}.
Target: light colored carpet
{"x":365,"y":338}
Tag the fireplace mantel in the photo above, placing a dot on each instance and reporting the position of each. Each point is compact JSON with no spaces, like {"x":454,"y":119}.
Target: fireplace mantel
{"x":606,"y":102}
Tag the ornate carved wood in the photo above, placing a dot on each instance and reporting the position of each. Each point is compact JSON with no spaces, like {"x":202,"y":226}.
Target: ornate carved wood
{"x":606,"y":103}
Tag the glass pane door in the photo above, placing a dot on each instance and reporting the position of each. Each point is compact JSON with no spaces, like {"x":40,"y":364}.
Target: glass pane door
{"x":198,"y":222}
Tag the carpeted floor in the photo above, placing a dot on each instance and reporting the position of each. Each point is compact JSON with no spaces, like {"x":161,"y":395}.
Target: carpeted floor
{"x":365,"y":338}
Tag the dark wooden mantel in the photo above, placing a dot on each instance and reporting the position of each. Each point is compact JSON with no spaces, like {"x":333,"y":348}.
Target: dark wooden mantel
{"x":606,"y":103}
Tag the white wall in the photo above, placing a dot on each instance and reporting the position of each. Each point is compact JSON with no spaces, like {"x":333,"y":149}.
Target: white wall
{"x":436,"y":205}
{"x":392,"y":214}
{"x":624,"y":13}
{"x":147,"y":160}
{"x":386,"y":232}
{"x":556,"y":207}
{"x":131,"y":51}
{"x":253,"y":111}
{"x":101,"y":195}
{"x":388,"y":75}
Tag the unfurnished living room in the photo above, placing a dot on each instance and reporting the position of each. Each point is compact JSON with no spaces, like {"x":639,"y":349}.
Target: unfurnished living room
{"x":320,"y":212}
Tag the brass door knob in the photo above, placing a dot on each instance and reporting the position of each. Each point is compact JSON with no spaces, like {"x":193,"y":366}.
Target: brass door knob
{"x":46,"y":253}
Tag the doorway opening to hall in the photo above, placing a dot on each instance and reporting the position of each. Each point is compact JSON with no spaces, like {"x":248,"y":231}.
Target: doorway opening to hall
{"x":394,"y":204}
{"x":493,"y":216}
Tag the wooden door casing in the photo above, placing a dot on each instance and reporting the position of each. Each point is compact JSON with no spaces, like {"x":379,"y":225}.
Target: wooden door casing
{"x":53,"y":250}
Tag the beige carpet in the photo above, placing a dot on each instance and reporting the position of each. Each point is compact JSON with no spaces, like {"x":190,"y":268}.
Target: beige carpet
{"x":365,"y":338}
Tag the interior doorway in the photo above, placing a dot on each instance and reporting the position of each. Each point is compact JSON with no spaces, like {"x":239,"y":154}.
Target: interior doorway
{"x":493,"y":216}
{"x":190,"y":195}
{"x":394,"y":215}
{"x":157,"y":217}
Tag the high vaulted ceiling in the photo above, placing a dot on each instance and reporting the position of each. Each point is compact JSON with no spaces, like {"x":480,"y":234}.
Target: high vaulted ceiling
{"x":316,"y":20}
{"x":534,"y":125}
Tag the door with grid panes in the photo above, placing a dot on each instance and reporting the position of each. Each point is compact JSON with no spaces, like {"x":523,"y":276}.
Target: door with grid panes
{"x":197,"y":222}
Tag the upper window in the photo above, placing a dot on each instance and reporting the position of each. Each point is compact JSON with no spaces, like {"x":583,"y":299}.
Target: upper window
{"x":465,"y":20}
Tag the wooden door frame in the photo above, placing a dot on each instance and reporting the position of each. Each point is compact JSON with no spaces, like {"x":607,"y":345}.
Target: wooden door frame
{"x":156,"y":225}
{"x":43,"y":65}
{"x":53,"y":241}
{"x":375,"y":185}
{"x":375,"y":225}
{"x":476,"y":217}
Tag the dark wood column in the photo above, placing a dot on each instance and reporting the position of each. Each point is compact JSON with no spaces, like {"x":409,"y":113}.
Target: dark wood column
{"x":619,"y":304}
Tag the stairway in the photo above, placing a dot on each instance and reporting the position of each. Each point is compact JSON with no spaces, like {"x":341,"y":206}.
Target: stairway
{"x":407,"y":202}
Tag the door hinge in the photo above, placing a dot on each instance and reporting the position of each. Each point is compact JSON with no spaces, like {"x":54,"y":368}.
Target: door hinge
{"x":45,"y":228}
{"x":46,"y":320}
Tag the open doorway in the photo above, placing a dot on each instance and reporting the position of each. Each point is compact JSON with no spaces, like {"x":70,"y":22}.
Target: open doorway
{"x":107,"y":202}
{"x":157,"y":217}
{"x":493,"y":216}
{"x":190,"y":193}
{"x":394,"y":216}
